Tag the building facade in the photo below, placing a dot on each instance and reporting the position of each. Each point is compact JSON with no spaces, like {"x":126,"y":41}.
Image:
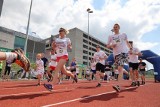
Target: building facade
{"x":83,"y":46}
{"x":10,"y":39}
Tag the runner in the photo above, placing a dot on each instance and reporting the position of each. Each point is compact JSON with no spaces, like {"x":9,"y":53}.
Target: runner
{"x":100,"y":58}
{"x":120,"y":45}
{"x":16,"y":56}
{"x":45,"y":61}
{"x":93,"y":68}
{"x":73,"y":66}
{"x":60,"y":45}
{"x":39,"y":71}
{"x":108,"y":69}
{"x":52,"y":65}
{"x":142,"y":70}
{"x":133,"y":64}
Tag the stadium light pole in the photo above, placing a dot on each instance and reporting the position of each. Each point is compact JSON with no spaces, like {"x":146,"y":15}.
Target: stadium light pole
{"x":33,"y":46}
{"x":25,"y":46}
{"x":88,"y":11}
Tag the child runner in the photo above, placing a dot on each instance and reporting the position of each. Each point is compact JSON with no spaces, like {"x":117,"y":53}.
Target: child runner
{"x":39,"y":68}
{"x":120,"y":45}
{"x":60,"y":45}
{"x":73,"y":66}
{"x":16,"y":56}
{"x":52,"y":65}
{"x":93,"y":68}
{"x":100,"y":58}
{"x":133,"y":64}
{"x":142,"y":70}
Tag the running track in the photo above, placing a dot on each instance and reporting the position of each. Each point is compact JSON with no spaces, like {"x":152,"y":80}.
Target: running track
{"x":82,"y":94}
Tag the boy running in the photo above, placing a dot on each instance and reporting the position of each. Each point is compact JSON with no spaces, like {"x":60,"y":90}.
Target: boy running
{"x":100,"y":58}
{"x":120,"y":45}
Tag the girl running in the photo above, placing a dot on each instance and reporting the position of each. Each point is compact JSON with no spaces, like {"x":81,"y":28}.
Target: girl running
{"x":60,"y":45}
{"x":52,"y":65}
{"x":39,"y":68}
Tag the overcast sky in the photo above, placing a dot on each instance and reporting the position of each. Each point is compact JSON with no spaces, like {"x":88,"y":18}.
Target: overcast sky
{"x":139,"y":19}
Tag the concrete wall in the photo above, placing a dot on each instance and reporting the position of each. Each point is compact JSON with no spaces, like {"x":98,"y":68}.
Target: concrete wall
{"x":6,"y":40}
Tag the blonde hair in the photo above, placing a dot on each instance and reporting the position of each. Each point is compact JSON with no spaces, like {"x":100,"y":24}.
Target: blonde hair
{"x":39,"y":54}
{"x":63,"y":29}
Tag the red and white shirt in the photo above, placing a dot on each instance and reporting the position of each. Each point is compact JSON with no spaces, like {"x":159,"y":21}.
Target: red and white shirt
{"x":53,"y":61}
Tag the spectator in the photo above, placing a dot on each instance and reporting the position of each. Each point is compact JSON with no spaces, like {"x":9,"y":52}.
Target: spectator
{"x":1,"y":66}
{"x":7,"y":71}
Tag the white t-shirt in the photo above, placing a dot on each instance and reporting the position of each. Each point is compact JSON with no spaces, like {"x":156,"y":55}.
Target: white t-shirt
{"x":98,"y":57}
{"x":53,"y":60}
{"x":61,"y":46}
{"x":120,"y":41}
{"x":93,"y":65}
{"x":40,"y":65}
{"x":87,"y":71}
{"x":132,"y":57}
{"x":77,"y":70}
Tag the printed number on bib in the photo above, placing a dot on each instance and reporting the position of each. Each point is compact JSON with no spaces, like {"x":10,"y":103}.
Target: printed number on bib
{"x":60,"y":50}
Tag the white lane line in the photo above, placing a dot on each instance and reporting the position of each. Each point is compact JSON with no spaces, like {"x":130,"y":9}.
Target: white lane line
{"x":77,"y":99}
{"x":40,"y":92}
{"x":8,"y":88}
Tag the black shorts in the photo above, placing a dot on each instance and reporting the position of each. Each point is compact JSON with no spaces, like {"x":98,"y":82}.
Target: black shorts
{"x":93,"y":71}
{"x":100,"y":67}
{"x":134,"y":66}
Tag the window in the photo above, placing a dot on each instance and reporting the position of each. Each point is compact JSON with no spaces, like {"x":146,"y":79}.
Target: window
{"x":85,"y":63}
{"x":90,"y":43}
{"x":85,"y":36}
{"x":85,"y":41}
{"x":89,"y":58}
{"x":90,"y":38}
{"x":19,"y":42}
{"x":85,"y":52}
{"x":94,"y":45}
{"x":85,"y":46}
{"x":92,"y":54}
{"x":47,"y":45}
{"x":85,"y":57}
{"x":89,"y":53}
{"x":93,"y":49}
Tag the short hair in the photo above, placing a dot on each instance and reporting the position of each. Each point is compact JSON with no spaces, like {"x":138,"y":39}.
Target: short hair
{"x":97,"y":46}
{"x":117,"y":25}
{"x":131,"y":42}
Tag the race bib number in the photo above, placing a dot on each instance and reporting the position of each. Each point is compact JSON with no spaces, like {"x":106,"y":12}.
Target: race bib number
{"x":60,"y":50}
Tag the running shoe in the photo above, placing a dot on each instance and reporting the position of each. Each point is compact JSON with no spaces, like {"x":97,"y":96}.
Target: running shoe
{"x":75,"y":78}
{"x":138,"y":83}
{"x":98,"y":85}
{"x":133,"y":84}
{"x":22,"y":60}
{"x":38,"y":84}
{"x":117,"y":88}
{"x":48,"y":87}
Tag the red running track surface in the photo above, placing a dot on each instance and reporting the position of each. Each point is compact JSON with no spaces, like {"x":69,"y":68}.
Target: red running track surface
{"x":81,"y":94}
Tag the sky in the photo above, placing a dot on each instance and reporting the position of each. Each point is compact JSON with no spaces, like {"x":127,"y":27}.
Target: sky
{"x":139,"y":19}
